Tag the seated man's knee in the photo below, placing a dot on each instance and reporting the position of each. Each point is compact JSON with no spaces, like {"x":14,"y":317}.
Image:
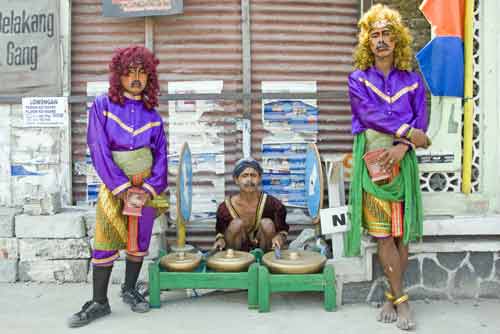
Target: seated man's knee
{"x":235,"y":227}
{"x":267,"y":227}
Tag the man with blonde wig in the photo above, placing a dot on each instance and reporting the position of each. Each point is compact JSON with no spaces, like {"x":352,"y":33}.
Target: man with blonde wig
{"x":389,"y":120}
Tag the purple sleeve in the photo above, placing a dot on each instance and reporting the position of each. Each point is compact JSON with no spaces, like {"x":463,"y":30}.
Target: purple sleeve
{"x":419,"y":105}
{"x":157,"y":182}
{"x":97,"y":140}
{"x":371,"y":114}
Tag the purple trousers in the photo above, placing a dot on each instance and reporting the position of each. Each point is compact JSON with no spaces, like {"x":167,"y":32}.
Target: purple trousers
{"x":145,"y":229}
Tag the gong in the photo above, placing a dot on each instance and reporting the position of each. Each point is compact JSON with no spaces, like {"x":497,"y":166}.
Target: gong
{"x":180,"y":261}
{"x":294,"y":262}
{"x":230,"y":261}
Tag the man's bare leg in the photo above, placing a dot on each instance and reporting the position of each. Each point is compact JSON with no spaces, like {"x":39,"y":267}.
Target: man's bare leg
{"x":389,"y":257}
{"x":265,"y":234}
{"x":405,"y":320}
{"x":388,"y":312}
{"x":235,"y":234}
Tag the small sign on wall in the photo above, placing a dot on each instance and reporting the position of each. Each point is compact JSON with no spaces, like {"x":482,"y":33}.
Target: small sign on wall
{"x":45,"y":111}
{"x":334,"y":220}
{"x":138,"y":8}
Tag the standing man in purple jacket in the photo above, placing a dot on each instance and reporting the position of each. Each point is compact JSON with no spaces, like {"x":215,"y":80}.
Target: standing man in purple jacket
{"x":389,"y":116}
{"x":129,"y":152}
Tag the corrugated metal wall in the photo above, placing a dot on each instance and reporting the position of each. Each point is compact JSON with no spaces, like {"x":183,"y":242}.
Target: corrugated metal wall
{"x":291,"y":40}
{"x":204,"y":43}
{"x":306,"y":41}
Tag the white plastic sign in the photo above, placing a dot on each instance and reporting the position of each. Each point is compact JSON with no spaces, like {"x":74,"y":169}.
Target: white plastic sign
{"x":334,"y":220}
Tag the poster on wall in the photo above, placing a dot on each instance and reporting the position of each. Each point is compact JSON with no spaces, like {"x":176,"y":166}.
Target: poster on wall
{"x":284,"y":171}
{"x":30,"y":53}
{"x":190,"y":121}
{"x":138,"y":8}
{"x":295,"y":116}
{"x":45,"y":111}
{"x":292,"y":124}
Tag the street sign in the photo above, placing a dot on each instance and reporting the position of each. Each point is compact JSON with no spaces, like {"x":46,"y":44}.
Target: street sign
{"x":138,"y":8}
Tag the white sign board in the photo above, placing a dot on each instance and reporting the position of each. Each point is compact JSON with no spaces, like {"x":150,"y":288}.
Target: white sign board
{"x":45,"y":111}
{"x":334,"y":220}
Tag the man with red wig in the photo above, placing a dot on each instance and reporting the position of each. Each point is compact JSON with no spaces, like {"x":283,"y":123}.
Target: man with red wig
{"x":128,"y":148}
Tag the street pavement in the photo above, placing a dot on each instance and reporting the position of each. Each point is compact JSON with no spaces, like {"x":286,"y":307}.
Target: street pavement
{"x":44,"y":308}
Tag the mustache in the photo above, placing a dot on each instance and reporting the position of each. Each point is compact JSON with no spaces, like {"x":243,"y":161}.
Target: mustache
{"x":136,"y":83}
{"x":382,"y":45}
{"x":249,"y":184}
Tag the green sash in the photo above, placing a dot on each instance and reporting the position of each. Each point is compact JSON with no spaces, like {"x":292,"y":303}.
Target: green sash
{"x":404,"y":187}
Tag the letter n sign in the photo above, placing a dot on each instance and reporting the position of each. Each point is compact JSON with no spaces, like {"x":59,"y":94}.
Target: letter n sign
{"x":334,"y":220}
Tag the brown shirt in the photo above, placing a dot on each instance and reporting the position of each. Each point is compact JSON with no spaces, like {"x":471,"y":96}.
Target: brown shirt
{"x":272,"y":209}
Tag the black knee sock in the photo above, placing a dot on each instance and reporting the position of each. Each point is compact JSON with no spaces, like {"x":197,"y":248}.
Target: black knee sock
{"x":100,"y":280}
{"x":132,"y":270}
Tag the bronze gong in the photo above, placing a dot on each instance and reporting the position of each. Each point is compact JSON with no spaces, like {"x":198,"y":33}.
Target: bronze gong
{"x":294,"y":262}
{"x":230,"y":261}
{"x":180,"y":261}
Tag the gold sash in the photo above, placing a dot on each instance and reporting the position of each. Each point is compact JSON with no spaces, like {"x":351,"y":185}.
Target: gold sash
{"x":111,"y":225}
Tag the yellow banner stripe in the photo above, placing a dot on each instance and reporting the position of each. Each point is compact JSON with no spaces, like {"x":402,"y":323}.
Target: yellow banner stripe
{"x":127,"y":128}
{"x":386,"y":98}
{"x":401,"y":130}
{"x":146,"y":127}
{"x":150,"y":188}
{"x":376,"y":90}
{"x":404,"y":91}
{"x":137,"y":253}
{"x":118,"y":189}
{"x":105,"y":260}
{"x":118,"y":121}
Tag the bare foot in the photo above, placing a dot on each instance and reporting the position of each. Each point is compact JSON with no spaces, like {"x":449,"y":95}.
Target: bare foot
{"x":387,"y":313}
{"x":405,"y":320}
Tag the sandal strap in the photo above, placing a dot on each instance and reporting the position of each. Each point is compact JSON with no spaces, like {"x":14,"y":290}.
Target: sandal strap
{"x":389,"y":296}
{"x":401,"y":300}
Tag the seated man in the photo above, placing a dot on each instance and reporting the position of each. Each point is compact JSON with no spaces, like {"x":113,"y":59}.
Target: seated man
{"x":251,"y":218}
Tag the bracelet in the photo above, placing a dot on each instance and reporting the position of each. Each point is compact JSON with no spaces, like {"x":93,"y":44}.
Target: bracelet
{"x":219,"y":236}
{"x":283,"y":234}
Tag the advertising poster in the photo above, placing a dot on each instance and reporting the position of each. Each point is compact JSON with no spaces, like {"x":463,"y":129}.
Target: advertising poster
{"x":292,"y":124}
{"x":190,"y":121}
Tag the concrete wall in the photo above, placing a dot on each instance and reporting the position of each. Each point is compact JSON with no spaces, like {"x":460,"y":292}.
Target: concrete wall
{"x":444,"y":275}
{"x":55,"y":248}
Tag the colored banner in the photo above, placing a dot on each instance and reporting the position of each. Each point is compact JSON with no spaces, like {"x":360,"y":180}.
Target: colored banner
{"x":442,"y":59}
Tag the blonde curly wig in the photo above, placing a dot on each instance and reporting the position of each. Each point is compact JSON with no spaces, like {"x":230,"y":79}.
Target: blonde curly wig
{"x":403,"y":54}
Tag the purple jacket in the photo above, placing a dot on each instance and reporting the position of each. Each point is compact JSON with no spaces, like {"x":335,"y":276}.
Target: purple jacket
{"x":390,"y":105}
{"x":112,"y":127}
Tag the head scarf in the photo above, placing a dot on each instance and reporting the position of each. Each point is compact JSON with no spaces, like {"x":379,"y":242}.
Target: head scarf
{"x":244,"y":163}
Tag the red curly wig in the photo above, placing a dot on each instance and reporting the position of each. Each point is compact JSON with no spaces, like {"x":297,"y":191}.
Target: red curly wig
{"x":120,"y":63}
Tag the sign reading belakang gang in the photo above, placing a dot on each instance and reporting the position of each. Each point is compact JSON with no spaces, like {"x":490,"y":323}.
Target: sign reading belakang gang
{"x":133,"y":8}
{"x":29,"y":48}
